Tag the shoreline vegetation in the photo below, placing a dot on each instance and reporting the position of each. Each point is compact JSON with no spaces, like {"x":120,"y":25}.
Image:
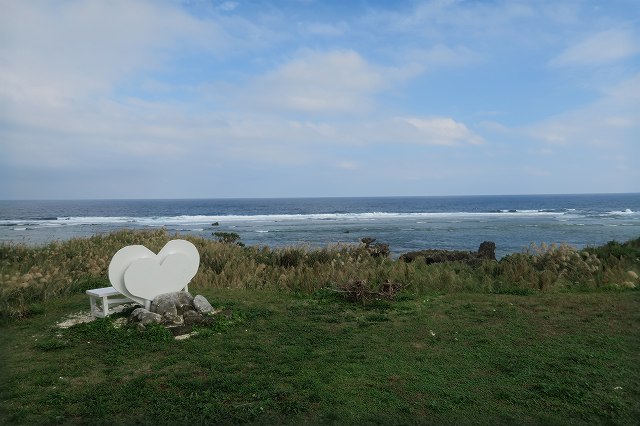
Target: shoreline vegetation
{"x":32,"y":275}
{"x":340,"y":335}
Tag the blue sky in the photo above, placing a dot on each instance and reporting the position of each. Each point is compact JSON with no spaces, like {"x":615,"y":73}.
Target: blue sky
{"x":190,"y":99}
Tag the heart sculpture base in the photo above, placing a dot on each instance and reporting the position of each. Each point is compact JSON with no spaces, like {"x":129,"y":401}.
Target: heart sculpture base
{"x":179,"y":312}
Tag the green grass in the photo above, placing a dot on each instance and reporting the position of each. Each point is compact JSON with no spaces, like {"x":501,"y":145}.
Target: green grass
{"x":287,"y":358}
{"x":547,"y":336}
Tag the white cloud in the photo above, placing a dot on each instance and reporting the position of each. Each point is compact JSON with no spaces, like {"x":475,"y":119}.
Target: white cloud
{"x":228,"y":6}
{"x":439,"y":131}
{"x":454,"y":18}
{"x":537,"y":172}
{"x":612,"y":121}
{"x":599,"y":49}
{"x":58,"y":51}
{"x":339,"y":81}
{"x":347,"y":165}
{"x":440,"y":55}
{"x":140,"y":88}
{"x":323,"y":29}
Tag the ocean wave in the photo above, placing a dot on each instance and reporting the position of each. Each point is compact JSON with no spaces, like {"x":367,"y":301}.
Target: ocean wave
{"x":209,"y":220}
{"x":531,"y":212}
{"x":621,"y":212}
{"x":201,"y":221}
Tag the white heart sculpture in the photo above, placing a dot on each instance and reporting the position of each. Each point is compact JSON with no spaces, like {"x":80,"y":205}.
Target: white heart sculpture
{"x":147,"y":278}
{"x":119,"y":264}
{"x":141,"y":275}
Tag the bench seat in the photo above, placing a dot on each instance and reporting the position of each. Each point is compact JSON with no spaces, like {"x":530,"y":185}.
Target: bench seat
{"x":104,"y":300}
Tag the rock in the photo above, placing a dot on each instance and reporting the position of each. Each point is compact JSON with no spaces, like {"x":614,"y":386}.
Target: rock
{"x":171,"y":319}
{"x":632,"y":274}
{"x":438,"y":256}
{"x":145,"y":317}
{"x":193,"y":317}
{"x":178,"y":312}
{"x":172,"y":303}
{"x":186,"y":336}
{"x":135,"y":314}
{"x":202,"y":305}
{"x":486,"y":251}
{"x":164,"y":305}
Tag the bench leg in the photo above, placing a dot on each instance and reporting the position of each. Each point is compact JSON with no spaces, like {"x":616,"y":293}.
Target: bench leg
{"x":92,"y":302}
{"x":105,"y":306}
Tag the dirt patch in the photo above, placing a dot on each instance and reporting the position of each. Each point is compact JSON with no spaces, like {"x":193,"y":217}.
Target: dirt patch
{"x":75,"y":318}
{"x":85,"y":316}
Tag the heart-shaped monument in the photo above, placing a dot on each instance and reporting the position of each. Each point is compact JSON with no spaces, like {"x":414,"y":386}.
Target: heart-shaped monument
{"x":141,"y":275}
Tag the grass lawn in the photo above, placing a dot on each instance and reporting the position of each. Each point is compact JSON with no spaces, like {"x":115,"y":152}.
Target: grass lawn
{"x":552,"y":358}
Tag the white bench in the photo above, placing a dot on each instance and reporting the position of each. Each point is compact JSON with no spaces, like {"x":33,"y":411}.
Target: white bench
{"x":108,"y":298}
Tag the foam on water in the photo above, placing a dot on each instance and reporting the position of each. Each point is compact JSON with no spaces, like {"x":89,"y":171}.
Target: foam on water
{"x":270,"y":218}
{"x":406,"y":223}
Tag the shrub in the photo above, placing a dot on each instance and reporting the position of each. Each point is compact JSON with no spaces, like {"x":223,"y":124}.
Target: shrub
{"x":228,"y":238}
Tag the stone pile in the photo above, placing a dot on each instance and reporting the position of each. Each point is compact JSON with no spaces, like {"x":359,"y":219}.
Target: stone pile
{"x":178,"y":311}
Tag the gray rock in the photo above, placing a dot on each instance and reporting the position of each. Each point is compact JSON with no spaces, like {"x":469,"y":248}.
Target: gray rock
{"x":135,"y":314}
{"x":184,"y":301}
{"x":202,"y":305}
{"x":150,"y":318}
{"x":193,"y":317}
{"x":172,"y":303}
{"x":144,"y":317}
{"x":171,"y":319}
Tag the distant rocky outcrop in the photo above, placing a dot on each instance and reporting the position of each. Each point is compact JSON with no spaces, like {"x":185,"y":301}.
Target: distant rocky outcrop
{"x":486,"y":251}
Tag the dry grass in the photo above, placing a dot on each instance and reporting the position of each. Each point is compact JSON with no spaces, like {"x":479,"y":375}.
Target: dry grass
{"x":30,"y":275}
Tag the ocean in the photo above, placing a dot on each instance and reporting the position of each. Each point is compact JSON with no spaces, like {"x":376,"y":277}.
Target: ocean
{"x":405,"y":223}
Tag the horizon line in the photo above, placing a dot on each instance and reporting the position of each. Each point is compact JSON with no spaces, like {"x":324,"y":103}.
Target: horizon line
{"x":320,"y":197}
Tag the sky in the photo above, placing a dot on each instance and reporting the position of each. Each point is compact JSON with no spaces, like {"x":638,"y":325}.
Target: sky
{"x":303,"y":98}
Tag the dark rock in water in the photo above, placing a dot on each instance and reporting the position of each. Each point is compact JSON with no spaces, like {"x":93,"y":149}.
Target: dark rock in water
{"x":215,"y":224}
{"x":486,"y":251}
{"x":202,"y":305}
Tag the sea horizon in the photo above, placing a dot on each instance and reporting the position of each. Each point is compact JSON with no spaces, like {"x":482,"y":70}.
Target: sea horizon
{"x":549,"y":194}
{"x":406,"y":223}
